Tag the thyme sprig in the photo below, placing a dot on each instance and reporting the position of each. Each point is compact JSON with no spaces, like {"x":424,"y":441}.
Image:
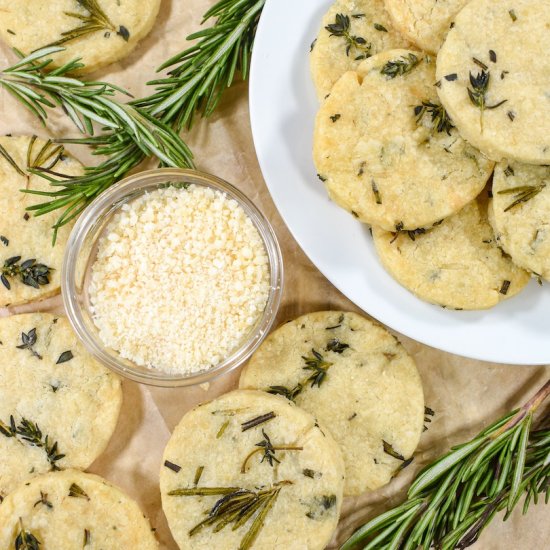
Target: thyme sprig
{"x":28,"y":340}
{"x":29,"y":272}
{"x":453,"y":499}
{"x":29,"y":432}
{"x":522,"y":193}
{"x":130,"y":133}
{"x":268,"y":449}
{"x":441,"y":121}
{"x":478,"y":91}
{"x":342,"y":28}
{"x":401,"y":66}
{"x":95,"y":20}
{"x":236,"y":506}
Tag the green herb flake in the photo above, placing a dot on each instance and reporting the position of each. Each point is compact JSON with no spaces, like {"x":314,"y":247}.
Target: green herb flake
{"x":335,"y":117}
{"x":257,"y":421}
{"x":380,"y":28}
{"x":389,"y":450}
{"x":124,"y":33}
{"x":5,"y":241}
{"x":376,"y":192}
{"x":87,"y":538}
{"x":222,"y":429}
{"x":43,"y":500}
{"x":513,"y":15}
{"x":522,"y":194}
{"x":172,"y":466}
{"x":198,"y":475}
{"x":336,"y":346}
{"x":77,"y":492}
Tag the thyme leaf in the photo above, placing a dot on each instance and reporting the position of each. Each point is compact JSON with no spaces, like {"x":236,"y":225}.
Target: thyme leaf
{"x":401,"y":66}
{"x":342,"y":28}
{"x":77,"y":492}
{"x":64,"y":357}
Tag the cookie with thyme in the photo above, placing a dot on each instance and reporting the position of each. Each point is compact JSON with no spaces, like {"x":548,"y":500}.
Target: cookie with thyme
{"x":357,"y":379}
{"x":351,"y":31}
{"x":388,"y":152}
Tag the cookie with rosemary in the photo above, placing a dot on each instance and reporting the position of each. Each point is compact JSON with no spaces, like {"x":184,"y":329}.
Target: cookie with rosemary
{"x":30,"y":267}
{"x":493,"y":74}
{"x":351,"y":31}
{"x":71,"y":510}
{"x":251,"y":470}
{"x":357,"y":379}
{"x":521,"y":214}
{"x":424,"y":22}
{"x":99,"y":32}
{"x":58,"y":406}
{"x":386,"y":149}
{"x":457,"y":264}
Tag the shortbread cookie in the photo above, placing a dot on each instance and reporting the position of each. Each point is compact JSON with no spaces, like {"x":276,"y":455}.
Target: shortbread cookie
{"x":58,"y":406}
{"x":264,"y":458}
{"x":493,"y":74}
{"x":424,"y":22}
{"x":521,"y":214}
{"x":351,"y":31}
{"x":30,"y":267}
{"x":357,"y":379}
{"x":117,"y":27}
{"x":72,"y":510}
{"x":385,"y":149}
{"x":456,"y":264}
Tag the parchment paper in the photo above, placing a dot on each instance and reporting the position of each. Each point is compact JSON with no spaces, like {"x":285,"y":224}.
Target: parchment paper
{"x":465,"y":394}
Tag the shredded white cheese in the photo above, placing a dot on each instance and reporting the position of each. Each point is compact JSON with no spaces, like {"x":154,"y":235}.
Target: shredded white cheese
{"x":181,"y":277}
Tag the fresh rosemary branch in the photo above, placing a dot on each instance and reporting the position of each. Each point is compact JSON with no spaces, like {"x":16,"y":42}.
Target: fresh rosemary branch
{"x":200,"y":74}
{"x":131,"y":133}
{"x":453,"y":499}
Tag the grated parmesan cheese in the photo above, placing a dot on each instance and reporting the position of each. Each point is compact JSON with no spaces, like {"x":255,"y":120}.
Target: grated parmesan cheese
{"x":180,"y":279}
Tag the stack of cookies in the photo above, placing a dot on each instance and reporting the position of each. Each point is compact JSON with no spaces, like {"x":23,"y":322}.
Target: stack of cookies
{"x":434,"y":129}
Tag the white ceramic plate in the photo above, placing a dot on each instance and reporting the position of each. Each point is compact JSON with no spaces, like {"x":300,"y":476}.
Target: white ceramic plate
{"x":283,"y":107}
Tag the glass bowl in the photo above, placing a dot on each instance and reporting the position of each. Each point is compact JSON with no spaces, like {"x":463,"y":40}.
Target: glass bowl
{"x":80,"y":256}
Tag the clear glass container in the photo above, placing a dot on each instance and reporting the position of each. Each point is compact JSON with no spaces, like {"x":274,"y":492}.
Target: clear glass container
{"x":80,"y":256}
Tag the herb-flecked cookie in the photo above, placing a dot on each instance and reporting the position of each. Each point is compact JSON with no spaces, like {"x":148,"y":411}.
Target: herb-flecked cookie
{"x":98,"y":31}
{"x":357,"y":379}
{"x":457,"y":264}
{"x":424,"y":22}
{"x":71,"y":510}
{"x":30,"y":267}
{"x":493,"y":72}
{"x":351,"y":31}
{"x":521,"y":214}
{"x":58,"y":406}
{"x":251,"y":470}
{"x":387,"y":151}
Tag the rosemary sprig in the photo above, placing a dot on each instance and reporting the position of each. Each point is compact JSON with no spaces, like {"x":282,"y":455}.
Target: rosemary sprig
{"x":453,"y":499}
{"x":440,"y":119}
{"x":130,"y":133}
{"x":29,"y":272}
{"x":25,"y":540}
{"x":201,"y":73}
{"x":522,"y":193}
{"x":237,"y":507}
{"x":96,"y":20}
{"x":342,"y":28}
{"x":401,"y":66}
{"x":30,"y":433}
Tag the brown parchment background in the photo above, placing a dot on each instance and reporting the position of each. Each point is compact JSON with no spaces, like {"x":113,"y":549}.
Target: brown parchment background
{"x":465,"y":394}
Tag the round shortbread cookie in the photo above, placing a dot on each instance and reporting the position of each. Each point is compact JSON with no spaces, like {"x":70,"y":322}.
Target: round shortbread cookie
{"x":456,"y":264}
{"x":424,"y":22}
{"x":370,"y":397}
{"x":232,"y":448}
{"x":55,"y":399}
{"x":22,"y":234}
{"x":381,"y":155}
{"x":493,"y":71}
{"x":521,"y":214}
{"x":32,"y":24}
{"x":351,"y":31}
{"x":71,"y":510}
